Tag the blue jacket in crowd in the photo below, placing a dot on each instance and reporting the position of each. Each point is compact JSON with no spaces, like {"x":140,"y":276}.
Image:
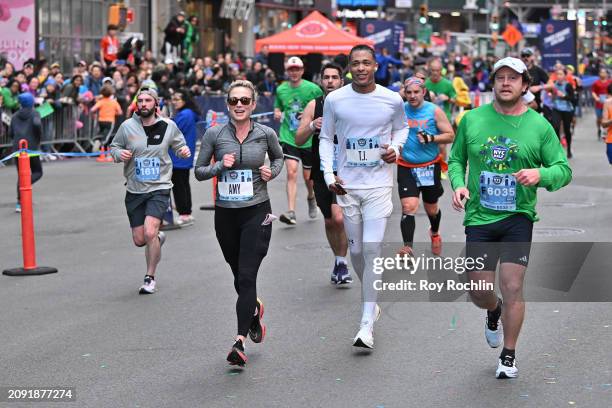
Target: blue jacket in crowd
{"x":186,"y":120}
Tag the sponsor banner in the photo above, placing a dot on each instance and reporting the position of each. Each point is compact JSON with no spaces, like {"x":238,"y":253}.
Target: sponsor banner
{"x":558,"y":43}
{"x":17,"y":31}
{"x":385,"y":34}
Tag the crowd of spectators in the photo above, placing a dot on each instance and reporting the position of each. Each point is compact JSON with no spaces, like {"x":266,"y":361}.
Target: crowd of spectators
{"x":123,"y":68}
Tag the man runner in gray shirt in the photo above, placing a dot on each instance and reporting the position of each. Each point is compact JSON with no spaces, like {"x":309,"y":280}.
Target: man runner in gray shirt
{"x":142,"y":144}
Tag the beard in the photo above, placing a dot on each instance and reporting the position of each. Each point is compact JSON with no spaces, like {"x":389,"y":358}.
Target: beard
{"x":145,"y":113}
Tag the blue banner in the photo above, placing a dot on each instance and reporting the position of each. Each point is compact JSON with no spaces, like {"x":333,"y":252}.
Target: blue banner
{"x":361,"y":3}
{"x":214,"y":111}
{"x":385,"y":34}
{"x":558,"y":43}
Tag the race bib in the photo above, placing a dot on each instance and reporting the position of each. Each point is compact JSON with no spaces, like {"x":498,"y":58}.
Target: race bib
{"x":498,"y":191}
{"x":424,"y":176}
{"x":362,"y":151}
{"x":602,"y":98}
{"x":147,"y":168}
{"x":235,"y":185}
{"x":335,"y":164}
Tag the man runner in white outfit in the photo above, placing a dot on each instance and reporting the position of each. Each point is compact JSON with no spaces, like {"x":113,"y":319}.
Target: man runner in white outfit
{"x":370,"y":124}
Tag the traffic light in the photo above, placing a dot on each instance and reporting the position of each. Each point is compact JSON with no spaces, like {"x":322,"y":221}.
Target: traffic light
{"x":423,"y":14}
{"x":118,"y":15}
{"x":494,"y":25}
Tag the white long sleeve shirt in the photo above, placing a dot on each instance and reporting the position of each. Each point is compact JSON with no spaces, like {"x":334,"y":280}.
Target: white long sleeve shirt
{"x":363,"y":123}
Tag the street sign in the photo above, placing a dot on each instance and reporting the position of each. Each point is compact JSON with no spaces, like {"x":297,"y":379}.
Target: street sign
{"x":236,"y":9}
{"x":511,"y":35}
{"x":424,"y":32}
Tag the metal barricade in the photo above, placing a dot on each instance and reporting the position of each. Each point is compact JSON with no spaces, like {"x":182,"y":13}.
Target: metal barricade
{"x":6,"y":143}
{"x":63,"y":125}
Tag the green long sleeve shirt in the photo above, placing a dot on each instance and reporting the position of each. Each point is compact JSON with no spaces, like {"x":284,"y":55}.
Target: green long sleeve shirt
{"x":490,"y":147}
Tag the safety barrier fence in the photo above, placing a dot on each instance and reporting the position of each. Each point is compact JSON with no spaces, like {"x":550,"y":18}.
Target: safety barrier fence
{"x":73,"y":127}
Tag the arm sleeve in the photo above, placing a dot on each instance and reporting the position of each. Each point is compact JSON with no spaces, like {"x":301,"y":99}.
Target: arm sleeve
{"x":204,"y":170}
{"x":118,"y":110}
{"x":37,"y":126}
{"x":119,"y":143}
{"x":277,"y":103}
{"x":178,"y":139}
{"x":326,"y":143}
{"x":544,"y":75}
{"x":555,"y":171}
{"x":275,"y":153}
{"x":181,"y":120}
{"x":457,"y":161}
{"x":452,"y":93}
{"x":399,"y":128}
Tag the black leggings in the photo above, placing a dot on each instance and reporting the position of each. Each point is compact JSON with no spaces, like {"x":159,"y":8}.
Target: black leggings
{"x":181,"y":190}
{"x":35,"y":167}
{"x":565,"y":118}
{"x":244,"y":243}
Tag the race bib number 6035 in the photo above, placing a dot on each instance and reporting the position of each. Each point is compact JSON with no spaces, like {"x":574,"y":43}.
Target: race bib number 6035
{"x":498,"y":191}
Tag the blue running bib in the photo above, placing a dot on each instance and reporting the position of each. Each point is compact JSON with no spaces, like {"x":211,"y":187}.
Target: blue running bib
{"x":424,"y":176}
{"x":147,"y":168}
{"x":498,"y":191}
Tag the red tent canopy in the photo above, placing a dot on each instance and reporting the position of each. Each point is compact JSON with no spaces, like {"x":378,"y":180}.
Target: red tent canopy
{"x":314,"y":34}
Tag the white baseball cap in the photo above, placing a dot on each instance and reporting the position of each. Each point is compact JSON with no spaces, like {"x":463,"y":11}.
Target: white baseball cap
{"x":512,"y":63}
{"x":294,"y":62}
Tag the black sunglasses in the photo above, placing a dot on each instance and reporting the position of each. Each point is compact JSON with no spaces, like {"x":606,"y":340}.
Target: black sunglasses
{"x":245,"y":100}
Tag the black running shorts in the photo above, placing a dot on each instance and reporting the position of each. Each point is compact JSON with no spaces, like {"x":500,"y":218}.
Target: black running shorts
{"x":325,"y":198}
{"x":407,"y":185}
{"x":138,"y":206}
{"x":297,"y":154}
{"x":506,"y":241}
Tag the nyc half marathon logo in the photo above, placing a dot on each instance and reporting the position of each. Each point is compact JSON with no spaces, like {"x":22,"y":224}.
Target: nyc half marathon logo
{"x":498,"y":153}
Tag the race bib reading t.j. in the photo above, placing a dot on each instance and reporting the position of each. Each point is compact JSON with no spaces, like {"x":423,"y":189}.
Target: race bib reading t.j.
{"x":424,"y":176}
{"x":235,"y":185}
{"x":498,"y":191}
{"x":147,"y":168}
{"x":362,"y":151}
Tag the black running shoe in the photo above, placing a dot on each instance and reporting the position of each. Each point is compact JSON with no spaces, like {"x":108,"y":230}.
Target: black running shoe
{"x":257,"y":331}
{"x":288,"y":218}
{"x":343,"y":274}
{"x":237,"y":356}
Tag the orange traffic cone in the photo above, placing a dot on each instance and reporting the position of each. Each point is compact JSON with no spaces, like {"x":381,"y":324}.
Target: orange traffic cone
{"x":109,"y":157}
{"x":102,"y":157}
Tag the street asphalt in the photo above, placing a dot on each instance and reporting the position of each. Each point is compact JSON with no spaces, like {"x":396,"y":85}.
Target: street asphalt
{"x":86,"y":327}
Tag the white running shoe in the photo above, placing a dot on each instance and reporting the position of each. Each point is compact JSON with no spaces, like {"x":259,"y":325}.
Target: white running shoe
{"x":162,"y":238}
{"x":185,"y":220}
{"x":365,"y":335}
{"x":313,"y":210}
{"x":506,"y":368}
{"x":494,"y":332}
{"x":494,"y":337}
{"x":148,"y":286}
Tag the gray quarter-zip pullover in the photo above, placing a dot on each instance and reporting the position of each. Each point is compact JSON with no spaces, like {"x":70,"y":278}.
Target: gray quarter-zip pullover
{"x":150,"y":167}
{"x":250,"y":155}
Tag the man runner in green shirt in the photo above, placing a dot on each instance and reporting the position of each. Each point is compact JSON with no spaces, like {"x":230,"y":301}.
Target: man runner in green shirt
{"x":444,"y":95}
{"x":292,"y":96}
{"x":511,"y":151}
